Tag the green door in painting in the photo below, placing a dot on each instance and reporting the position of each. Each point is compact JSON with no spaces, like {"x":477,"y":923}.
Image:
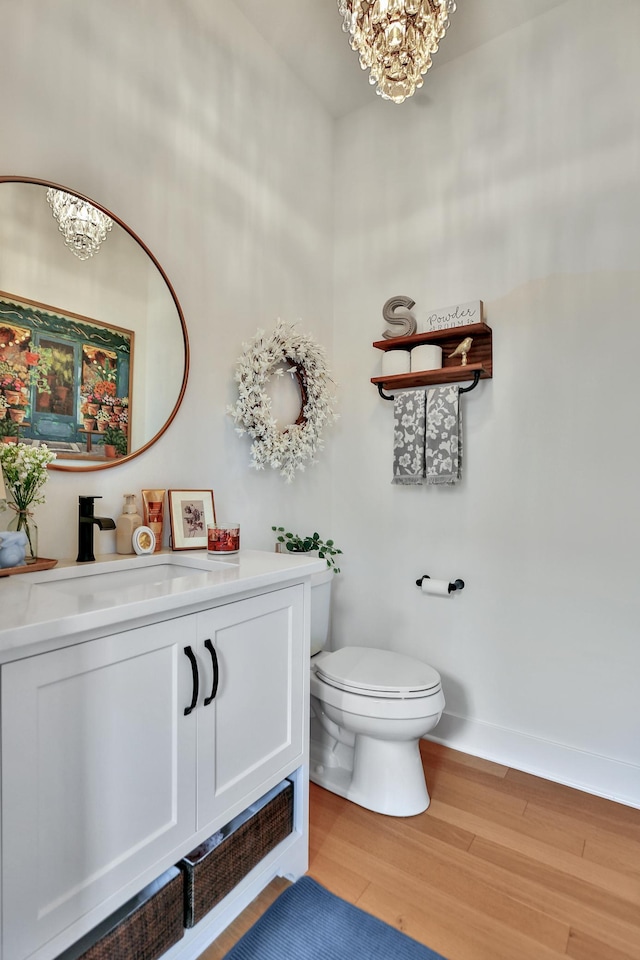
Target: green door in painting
{"x":54,"y":409}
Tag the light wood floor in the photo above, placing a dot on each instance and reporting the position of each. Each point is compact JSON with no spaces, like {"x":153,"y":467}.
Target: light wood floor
{"x":503,"y":866}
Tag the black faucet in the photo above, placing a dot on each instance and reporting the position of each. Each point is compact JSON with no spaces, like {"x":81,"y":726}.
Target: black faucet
{"x":86,"y":520}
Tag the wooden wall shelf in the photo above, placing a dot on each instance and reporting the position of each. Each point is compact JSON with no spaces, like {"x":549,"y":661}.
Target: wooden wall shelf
{"x":479,"y":364}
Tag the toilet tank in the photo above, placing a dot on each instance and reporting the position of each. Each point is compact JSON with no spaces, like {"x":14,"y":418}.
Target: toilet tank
{"x":320,"y":609}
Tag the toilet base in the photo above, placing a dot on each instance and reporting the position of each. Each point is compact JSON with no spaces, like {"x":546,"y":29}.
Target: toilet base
{"x":381,"y":775}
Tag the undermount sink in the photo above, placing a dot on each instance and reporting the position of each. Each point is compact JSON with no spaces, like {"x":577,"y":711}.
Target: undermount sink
{"x":117,"y":580}
{"x":120,"y":575}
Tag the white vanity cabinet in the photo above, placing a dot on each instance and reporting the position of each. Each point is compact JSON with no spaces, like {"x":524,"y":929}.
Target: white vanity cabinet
{"x":122,"y":752}
{"x":97,"y":775}
{"x":253,"y":727}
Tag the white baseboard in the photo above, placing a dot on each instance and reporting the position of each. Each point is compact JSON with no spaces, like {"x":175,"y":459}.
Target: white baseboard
{"x":601,"y":776}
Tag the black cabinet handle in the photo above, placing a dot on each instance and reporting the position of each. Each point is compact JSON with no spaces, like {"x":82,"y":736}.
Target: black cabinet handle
{"x":216,"y":673}
{"x":196,"y":683}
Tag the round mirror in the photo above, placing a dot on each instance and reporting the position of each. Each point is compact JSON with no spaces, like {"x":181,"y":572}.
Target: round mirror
{"x":94,"y":353}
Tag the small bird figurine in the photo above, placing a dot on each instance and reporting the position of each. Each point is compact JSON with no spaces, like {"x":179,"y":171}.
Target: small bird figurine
{"x":463,"y":348}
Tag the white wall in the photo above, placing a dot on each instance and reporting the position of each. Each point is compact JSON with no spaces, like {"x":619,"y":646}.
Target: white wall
{"x":512,"y":178}
{"x":180,"y":119}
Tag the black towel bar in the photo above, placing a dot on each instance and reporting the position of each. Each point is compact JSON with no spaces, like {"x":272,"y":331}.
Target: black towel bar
{"x":476,"y":380}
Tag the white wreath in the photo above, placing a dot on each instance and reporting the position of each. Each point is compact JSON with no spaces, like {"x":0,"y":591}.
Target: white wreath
{"x":268,"y":355}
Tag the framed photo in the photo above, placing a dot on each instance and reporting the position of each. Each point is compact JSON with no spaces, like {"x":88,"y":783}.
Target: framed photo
{"x":189,"y":513}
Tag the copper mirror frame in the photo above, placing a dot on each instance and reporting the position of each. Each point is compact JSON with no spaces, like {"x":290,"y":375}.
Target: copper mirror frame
{"x":68,"y":462}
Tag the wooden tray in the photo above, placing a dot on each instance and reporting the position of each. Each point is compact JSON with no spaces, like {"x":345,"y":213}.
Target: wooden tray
{"x":40,"y":564}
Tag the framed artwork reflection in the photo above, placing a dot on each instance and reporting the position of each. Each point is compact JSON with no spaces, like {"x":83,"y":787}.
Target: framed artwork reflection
{"x":66,"y":379}
{"x":189,"y":513}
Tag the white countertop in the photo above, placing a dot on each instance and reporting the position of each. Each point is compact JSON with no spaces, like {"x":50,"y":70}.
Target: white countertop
{"x":72,"y":602}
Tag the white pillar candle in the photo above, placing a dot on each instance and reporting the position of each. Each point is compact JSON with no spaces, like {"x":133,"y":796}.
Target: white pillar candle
{"x":427,"y":356}
{"x":395,"y":362}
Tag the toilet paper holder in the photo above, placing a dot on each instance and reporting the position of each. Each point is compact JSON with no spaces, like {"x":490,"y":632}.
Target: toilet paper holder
{"x":455,"y":585}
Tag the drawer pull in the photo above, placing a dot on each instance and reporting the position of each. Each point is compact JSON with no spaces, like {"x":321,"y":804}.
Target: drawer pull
{"x":216,"y":673}
{"x":196,"y":684}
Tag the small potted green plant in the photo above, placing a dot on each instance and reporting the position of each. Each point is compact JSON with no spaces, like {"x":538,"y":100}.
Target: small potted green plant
{"x":294,"y":543}
{"x":8,"y":431}
{"x":114,"y":437}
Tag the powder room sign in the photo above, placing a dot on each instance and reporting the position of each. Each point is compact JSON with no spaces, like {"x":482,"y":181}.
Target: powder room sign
{"x":458,"y":315}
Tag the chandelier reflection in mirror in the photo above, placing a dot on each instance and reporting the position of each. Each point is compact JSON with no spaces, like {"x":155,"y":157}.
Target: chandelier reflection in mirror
{"x":82,"y":225}
{"x":395,"y":40}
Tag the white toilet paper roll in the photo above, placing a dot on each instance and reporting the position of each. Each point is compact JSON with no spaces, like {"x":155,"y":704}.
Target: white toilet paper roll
{"x":427,"y":356}
{"x":435,"y":588}
{"x":395,"y":362}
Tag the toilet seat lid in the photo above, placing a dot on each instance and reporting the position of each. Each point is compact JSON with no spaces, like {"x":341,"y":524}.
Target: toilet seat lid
{"x":378,"y":673}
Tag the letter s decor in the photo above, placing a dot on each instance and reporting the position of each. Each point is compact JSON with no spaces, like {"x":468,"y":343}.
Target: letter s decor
{"x":397,"y":311}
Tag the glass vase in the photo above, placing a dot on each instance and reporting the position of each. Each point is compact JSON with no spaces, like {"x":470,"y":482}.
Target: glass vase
{"x":23,"y":520}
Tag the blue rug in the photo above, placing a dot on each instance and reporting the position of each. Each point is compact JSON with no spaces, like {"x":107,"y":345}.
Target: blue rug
{"x":307,"y":922}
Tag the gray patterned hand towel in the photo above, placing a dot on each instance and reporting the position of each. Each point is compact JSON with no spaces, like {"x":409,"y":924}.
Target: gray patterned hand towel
{"x":443,"y":443}
{"x":409,"y":408}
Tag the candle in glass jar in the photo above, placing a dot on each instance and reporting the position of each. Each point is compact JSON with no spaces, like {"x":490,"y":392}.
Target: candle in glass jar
{"x":223,"y":538}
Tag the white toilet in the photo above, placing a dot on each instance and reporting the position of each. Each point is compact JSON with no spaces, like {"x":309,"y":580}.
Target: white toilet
{"x":369,"y":709}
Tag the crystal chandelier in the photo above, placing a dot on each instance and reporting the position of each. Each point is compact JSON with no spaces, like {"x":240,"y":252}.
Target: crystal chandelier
{"x":82,"y":225}
{"x":395,"y":40}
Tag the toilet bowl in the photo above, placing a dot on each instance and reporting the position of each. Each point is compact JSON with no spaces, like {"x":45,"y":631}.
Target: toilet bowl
{"x":369,"y":709}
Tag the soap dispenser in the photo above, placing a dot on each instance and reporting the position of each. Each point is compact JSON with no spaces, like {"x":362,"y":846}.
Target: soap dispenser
{"x":126,"y":523}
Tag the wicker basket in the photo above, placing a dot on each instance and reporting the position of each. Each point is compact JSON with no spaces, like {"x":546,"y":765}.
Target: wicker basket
{"x":214,"y":868}
{"x":143,"y":929}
